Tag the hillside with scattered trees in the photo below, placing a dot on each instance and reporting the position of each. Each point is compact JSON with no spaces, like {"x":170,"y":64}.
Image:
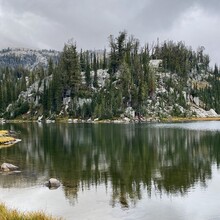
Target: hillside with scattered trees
{"x":127,"y":81}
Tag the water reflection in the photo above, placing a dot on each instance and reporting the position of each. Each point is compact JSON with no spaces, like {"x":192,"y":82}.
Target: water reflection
{"x":131,"y":160}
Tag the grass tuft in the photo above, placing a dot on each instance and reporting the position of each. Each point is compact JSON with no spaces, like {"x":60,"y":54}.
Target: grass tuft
{"x":3,"y":132}
{"x":6,"y":139}
{"x":10,"y":214}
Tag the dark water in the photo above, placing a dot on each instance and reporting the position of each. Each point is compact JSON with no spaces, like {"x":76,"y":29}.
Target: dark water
{"x":110,"y":171}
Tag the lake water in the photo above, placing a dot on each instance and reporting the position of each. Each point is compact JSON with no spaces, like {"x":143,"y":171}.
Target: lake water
{"x":114,"y":171}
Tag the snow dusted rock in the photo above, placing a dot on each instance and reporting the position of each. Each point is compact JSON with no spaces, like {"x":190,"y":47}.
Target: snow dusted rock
{"x":27,"y":58}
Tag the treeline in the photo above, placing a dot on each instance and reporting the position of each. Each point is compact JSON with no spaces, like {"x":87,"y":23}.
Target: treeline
{"x":177,"y":58}
{"x":131,"y":81}
{"x":12,"y":82}
{"x":210,"y":95}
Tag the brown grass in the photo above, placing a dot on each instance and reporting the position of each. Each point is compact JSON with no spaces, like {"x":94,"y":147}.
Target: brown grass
{"x":179,"y":119}
{"x":9,"y":214}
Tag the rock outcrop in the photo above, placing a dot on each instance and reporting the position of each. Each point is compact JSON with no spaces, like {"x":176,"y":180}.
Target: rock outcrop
{"x":201,"y":113}
{"x":7,"y":167}
{"x":53,"y":183}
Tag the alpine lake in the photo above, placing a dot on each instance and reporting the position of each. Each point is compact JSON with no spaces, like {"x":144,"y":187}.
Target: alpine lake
{"x":166,"y":171}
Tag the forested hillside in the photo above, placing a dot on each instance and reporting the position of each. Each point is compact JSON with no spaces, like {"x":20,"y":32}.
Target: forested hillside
{"x":126,"y":81}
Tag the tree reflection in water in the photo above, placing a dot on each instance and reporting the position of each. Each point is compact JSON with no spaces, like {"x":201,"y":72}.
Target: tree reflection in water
{"x":130,"y":160}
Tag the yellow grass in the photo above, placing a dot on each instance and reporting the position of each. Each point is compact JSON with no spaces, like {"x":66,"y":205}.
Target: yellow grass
{"x":9,"y":214}
{"x":200,"y":85}
{"x":6,"y":139}
{"x":3,"y":132}
{"x":179,"y":119}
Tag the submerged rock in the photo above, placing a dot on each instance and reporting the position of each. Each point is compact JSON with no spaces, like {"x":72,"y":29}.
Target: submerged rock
{"x":53,"y":183}
{"x":7,"y":167}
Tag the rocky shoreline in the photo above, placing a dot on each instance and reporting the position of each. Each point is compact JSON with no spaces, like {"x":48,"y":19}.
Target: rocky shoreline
{"x":116,"y":121}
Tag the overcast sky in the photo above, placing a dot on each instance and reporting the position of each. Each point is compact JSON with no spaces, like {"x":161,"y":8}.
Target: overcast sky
{"x":50,"y":23}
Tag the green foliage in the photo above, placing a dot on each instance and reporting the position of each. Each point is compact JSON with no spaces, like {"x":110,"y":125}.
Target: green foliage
{"x":88,"y":69}
{"x":70,"y":70}
{"x":177,"y":58}
{"x":211,"y":94}
{"x":132,"y":80}
{"x":16,"y":110}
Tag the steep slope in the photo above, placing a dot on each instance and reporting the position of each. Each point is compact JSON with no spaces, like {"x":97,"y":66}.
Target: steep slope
{"x":132,"y":82}
{"x":27,"y":58}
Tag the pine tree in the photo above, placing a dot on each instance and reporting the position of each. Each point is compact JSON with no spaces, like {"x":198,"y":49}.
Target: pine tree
{"x":88,"y":70}
{"x":1,"y":99}
{"x":45,"y":99}
{"x":56,"y":92}
{"x":50,"y":67}
{"x":126,"y":83}
{"x":82,"y":61}
{"x":70,"y":69}
{"x":216,"y":73}
{"x":104,"y":66}
{"x":95,"y":78}
{"x":151,"y":82}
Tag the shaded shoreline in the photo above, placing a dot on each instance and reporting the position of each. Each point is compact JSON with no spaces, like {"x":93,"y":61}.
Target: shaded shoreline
{"x":118,"y":120}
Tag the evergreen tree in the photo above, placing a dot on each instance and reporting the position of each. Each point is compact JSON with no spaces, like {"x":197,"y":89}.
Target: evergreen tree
{"x":151,"y":82}
{"x":104,"y":66}
{"x":95,"y":78}
{"x":1,"y":99}
{"x":56,"y":92}
{"x":82,"y":61}
{"x":126,"y":83}
{"x":88,"y":70}
{"x":216,"y":73}
{"x":70,"y":69}
{"x":50,"y":67}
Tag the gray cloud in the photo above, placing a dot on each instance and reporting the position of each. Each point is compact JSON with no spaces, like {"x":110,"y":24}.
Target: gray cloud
{"x":49,"y":24}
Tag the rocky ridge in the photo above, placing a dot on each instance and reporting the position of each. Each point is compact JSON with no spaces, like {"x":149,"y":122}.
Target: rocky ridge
{"x":162,"y":104}
{"x":27,"y":58}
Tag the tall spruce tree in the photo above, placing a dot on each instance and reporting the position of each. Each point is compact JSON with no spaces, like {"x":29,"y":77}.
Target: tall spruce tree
{"x":104,"y":64}
{"x":70,"y":70}
{"x":88,"y":70}
{"x":95,"y":78}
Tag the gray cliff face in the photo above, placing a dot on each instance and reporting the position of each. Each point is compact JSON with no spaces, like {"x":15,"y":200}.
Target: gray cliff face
{"x":27,"y":58}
